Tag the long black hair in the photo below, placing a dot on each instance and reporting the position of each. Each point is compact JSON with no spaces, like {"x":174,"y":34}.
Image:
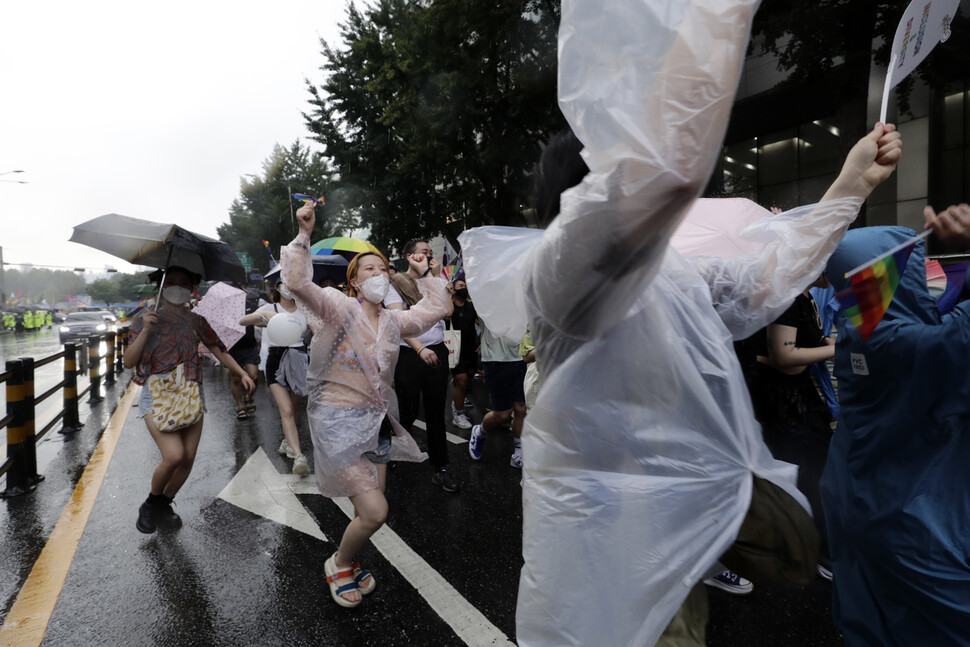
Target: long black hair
{"x":560,"y":167}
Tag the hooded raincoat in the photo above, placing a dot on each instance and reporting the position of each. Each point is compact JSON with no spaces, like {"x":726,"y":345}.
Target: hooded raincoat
{"x":895,"y":488}
{"x":350,"y":373}
{"x":642,"y":445}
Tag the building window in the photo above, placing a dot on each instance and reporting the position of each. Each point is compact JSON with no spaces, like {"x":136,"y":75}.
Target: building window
{"x":785,"y":168}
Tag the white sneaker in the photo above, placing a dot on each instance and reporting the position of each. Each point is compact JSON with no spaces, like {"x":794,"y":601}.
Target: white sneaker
{"x":286,"y":450}
{"x":460,"y":420}
{"x":300,"y":466}
{"x":516,"y":461}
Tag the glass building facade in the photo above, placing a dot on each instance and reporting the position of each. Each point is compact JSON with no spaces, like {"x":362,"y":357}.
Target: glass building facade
{"x":784,"y":146}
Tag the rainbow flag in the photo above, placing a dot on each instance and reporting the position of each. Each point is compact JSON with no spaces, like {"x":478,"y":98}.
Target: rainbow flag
{"x":454,"y":270}
{"x":865,"y":301}
{"x":131,"y":313}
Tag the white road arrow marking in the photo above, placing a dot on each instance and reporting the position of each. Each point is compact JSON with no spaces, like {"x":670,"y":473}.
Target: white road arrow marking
{"x":262,"y":490}
{"x":259,"y":488}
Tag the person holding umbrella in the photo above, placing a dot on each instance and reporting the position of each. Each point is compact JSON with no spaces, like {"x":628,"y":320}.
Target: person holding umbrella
{"x":166,"y":342}
{"x":351,"y":405}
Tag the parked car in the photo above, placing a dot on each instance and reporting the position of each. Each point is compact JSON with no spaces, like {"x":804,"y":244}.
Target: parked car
{"x":81,"y":325}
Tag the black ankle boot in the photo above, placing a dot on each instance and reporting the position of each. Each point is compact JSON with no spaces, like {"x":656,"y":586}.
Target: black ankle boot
{"x":146,"y":518}
{"x":164,"y":513}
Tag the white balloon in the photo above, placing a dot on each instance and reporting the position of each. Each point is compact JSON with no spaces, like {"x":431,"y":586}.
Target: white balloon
{"x":284,"y":329}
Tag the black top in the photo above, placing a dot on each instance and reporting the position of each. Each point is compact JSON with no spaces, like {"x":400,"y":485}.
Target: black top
{"x":463,"y":319}
{"x":804,"y":318}
{"x":802,"y":315}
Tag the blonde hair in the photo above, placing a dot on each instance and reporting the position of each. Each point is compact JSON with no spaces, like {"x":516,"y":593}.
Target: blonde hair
{"x":352,"y":270}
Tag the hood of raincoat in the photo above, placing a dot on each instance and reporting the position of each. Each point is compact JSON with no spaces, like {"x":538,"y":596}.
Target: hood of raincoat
{"x":912,"y":301}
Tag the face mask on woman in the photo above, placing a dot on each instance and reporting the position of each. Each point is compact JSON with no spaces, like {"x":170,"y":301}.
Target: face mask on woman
{"x":177,"y":295}
{"x":375,"y":288}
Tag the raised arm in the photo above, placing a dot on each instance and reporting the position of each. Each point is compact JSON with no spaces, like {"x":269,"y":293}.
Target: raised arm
{"x":435,"y":303}
{"x":751,"y":291}
{"x":647,"y":88}
{"x":297,"y":268}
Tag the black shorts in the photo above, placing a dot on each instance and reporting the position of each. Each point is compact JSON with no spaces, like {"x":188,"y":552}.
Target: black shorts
{"x":504,"y":383}
{"x":466,"y":364}
{"x":245,"y":355}
{"x":273,"y":363}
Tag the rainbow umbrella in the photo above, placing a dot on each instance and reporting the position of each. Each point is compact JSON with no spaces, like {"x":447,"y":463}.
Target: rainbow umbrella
{"x":342,"y":246}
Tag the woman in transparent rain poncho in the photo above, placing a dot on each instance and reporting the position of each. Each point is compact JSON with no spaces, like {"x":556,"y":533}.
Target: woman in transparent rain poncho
{"x":351,"y":406}
{"x":642,"y":448}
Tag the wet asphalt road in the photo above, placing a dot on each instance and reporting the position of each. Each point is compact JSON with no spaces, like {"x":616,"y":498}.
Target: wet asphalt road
{"x":234,"y":577}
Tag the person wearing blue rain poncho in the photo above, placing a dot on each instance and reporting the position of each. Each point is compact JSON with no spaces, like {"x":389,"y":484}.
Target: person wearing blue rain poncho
{"x":641,"y":453}
{"x":895,"y":487}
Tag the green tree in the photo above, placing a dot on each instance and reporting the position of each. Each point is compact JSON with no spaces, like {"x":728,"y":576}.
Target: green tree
{"x":264,"y":209}
{"x":103,"y":291}
{"x":37,"y":284}
{"x":126,"y":284}
{"x":433,"y":113}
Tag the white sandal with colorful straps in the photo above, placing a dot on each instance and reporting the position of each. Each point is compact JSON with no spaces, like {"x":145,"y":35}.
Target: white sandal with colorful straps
{"x":359,"y":575}
{"x":334,"y":575}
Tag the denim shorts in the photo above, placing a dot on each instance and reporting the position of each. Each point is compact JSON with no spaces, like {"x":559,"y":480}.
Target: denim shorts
{"x":382,"y":455}
{"x":145,"y":401}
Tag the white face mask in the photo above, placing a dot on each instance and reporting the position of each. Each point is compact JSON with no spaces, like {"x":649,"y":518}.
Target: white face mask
{"x":375,"y":288}
{"x":177,"y":295}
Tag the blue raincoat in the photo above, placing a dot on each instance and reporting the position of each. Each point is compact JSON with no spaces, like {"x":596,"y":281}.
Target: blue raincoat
{"x":895,"y":488}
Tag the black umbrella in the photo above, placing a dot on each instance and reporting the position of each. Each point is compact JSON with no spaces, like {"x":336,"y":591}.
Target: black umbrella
{"x":142,"y":242}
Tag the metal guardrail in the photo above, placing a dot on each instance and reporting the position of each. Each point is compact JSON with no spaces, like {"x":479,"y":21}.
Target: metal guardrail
{"x":20,"y":467}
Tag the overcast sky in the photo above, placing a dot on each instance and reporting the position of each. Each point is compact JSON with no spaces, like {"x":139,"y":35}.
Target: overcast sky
{"x":150,"y":110}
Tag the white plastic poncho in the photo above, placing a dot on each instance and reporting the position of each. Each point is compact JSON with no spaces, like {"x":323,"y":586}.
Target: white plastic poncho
{"x":640,"y":451}
{"x":350,"y":373}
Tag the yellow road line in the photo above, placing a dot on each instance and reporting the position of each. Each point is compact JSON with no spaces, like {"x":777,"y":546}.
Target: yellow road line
{"x":27,"y":621}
